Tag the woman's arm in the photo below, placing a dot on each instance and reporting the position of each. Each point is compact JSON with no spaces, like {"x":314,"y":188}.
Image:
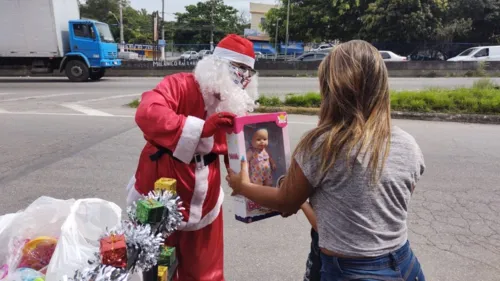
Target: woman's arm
{"x":310,"y":215}
{"x":288,"y":199}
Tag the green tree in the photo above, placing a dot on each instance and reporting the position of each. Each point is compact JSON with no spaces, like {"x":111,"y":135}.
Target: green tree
{"x":481,"y":17}
{"x":196,"y":24}
{"x":138,"y":27}
{"x":309,"y":20}
{"x":317,"y":20}
{"x":402,"y":21}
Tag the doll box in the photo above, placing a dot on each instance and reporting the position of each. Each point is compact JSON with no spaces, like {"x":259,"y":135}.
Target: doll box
{"x":267,"y":163}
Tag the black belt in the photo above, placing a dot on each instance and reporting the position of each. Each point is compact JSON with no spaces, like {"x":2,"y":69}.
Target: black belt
{"x":202,"y":160}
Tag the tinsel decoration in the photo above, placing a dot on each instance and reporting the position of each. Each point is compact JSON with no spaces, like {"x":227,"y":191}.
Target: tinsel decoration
{"x":99,"y":272}
{"x":172,"y":217}
{"x":143,"y":247}
{"x":144,"y":242}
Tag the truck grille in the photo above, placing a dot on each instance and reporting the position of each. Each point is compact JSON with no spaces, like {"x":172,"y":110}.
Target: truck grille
{"x":112,"y":55}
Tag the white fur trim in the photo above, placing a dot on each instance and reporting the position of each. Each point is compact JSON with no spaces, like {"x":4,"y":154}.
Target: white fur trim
{"x":199,"y":195}
{"x":234,"y":56}
{"x":212,"y":215}
{"x":132,"y":194}
{"x":205,"y":146}
{"x":196,"y":222}
{"x":190,"y":137}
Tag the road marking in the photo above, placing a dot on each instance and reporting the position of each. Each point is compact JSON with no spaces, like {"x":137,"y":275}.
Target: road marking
{"x":109,"y":98}
{"x":61,"y":114}
{"x":302,"y":123}
{"x":104,"y":115}
{"x":4,"y":94}
{"x":41,"y":97}
{"x":85,"y":110}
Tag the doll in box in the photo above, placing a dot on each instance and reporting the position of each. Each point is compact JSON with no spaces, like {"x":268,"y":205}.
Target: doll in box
{"x":261,"y":164}
{"x":262,"y":139}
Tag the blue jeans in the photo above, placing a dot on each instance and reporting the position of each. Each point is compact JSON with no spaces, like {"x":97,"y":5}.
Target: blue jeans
{"x":400,"y":265}
{"x":313,"y":265}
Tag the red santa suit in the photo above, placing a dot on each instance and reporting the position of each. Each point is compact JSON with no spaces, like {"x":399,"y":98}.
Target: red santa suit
{"x":172,"y":118}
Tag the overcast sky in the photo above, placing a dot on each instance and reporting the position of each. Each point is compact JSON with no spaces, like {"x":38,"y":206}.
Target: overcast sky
{"x":174,"y":6}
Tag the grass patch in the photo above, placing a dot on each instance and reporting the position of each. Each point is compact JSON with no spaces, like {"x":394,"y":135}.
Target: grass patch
{"x":134,"y":103}
{"x":482,"y":98}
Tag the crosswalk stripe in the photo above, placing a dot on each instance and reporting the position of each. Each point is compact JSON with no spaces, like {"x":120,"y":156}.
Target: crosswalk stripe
{"x":85,"y":110}
{"x":109,"y":98}
{"x":41,"y":97}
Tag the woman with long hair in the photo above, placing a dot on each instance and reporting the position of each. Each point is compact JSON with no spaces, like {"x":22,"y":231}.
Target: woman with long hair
{"x":357,"y":170}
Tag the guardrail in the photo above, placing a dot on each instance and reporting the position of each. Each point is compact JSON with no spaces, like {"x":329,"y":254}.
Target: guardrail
{"x":289,"y":69}
{"x":301,"y":69}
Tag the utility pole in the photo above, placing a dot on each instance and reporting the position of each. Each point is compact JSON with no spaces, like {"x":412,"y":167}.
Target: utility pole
{"x":163,"y":29}
{"x":287,"y":23}
{"x":212,"y":27}
{"x":276,"y":40}
{"x":122,"y":40}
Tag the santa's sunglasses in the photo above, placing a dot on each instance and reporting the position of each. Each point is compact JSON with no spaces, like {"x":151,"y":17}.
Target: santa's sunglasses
{"x":251,"y":71}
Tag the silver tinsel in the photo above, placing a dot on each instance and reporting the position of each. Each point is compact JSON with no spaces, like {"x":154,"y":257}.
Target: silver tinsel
{"x":100,"y":272}
{"x":173,"y":207}
{"x":141,"y":241}
{"x":144,"y":242}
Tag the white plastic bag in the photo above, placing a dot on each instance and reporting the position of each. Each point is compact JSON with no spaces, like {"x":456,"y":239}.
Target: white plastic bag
{"x":44,"y":217}
{"x":79,"y":239}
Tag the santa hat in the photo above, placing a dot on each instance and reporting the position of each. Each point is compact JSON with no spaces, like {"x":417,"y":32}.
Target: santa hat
{"x":236,"y":48}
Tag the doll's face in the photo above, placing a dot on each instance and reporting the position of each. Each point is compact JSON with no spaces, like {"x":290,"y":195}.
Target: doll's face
{"x":260,"y":139}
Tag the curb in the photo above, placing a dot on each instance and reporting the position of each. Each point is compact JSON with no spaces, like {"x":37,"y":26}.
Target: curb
{"x":443,"y":117}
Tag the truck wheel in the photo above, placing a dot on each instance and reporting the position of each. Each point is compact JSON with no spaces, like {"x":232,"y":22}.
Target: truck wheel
{"x":77,"y":71}
{"x":97,"y":75}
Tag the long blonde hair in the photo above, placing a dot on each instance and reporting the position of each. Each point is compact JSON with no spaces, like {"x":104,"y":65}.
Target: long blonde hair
{"x":355,"y":109}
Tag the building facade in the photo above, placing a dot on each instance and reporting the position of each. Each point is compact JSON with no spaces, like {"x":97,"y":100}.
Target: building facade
{"x":258,"y":12}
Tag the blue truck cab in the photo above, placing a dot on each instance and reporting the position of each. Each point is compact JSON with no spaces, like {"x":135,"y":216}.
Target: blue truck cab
{"x":92,"y":51}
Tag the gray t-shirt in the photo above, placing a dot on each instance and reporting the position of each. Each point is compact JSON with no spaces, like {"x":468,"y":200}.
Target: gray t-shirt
{"x":356,"y":219}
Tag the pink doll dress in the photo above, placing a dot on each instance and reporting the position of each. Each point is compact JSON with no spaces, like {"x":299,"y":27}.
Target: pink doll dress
{"x":260,"y":168}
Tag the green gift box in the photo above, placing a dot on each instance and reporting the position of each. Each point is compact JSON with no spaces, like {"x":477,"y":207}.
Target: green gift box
{"x":149,"y":211}
{"x":167,"y":256}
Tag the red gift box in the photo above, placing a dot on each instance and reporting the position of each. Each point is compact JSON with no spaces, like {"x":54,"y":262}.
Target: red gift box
{"x":114,"y":251}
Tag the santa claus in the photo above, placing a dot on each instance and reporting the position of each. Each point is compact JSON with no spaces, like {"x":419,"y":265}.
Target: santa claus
{"x":184,"y":121}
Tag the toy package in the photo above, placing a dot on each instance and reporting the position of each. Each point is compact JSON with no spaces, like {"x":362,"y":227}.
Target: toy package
{"x":263,"y":140}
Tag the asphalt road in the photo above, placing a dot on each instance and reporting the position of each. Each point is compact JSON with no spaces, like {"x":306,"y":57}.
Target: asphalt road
{"x":267,"y":85}
{"x":78,"y":140}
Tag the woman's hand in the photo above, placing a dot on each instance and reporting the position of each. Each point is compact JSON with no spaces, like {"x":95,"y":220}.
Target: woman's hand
{"x":273,"y":166}
{"x":238,"y":181}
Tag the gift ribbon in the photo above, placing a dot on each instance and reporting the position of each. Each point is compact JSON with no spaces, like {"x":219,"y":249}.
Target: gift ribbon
{"x":112,"y":242}
{"x":150,"y":201}
{"x":4,"y":270}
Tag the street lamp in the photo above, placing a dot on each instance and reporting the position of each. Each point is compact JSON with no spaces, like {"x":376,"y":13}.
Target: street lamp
{"x":122,"y":40}
{"x":120,"y":23}
{"x":276,"y":40}
{"x":212,"y":27}
{"x":287,"y":23}
{"x":163,"y":29}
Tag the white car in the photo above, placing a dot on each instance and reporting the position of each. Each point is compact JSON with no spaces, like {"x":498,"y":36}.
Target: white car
{"x":489,"y":53}
{"x":259,"y":55}
{"x":204,"y":53}
{"x":390,"y":56}
{"x":189,"y":55}
{"x":323,"y":47}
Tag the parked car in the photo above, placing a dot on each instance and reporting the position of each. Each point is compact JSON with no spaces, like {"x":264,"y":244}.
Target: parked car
{"x":312,"y":56}
{"x":488,"y":53}
{"x":390,"y":56}
{"x":203,"y":53}
{"x":322,"y":47}
{"x":189,"y":55}
{"x":259,"y":55}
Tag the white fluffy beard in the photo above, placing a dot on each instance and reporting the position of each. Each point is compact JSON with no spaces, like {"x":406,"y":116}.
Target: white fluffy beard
{"x":214,"y":77}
